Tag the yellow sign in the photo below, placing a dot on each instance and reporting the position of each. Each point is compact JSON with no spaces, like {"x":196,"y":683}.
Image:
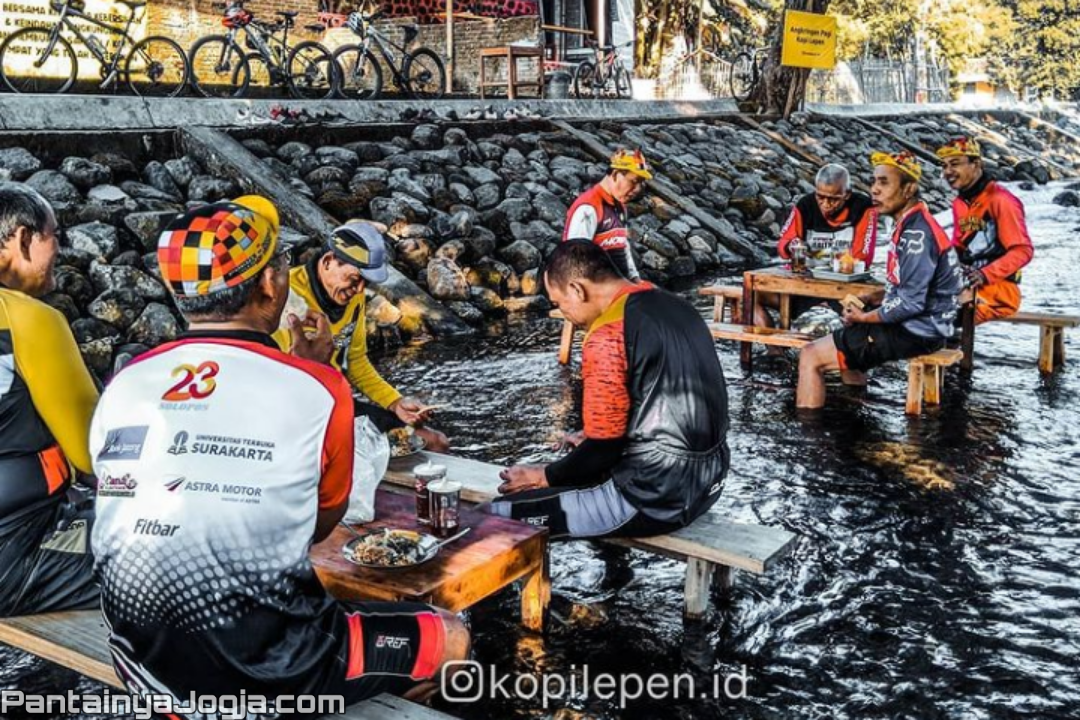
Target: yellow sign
{"x":809,"y":40}
{"x":20,"y":14}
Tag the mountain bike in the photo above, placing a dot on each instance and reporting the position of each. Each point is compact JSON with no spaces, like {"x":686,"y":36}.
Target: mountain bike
{"x":221,"y":67}
{"x":747,"y":69}
{"x":603,"y":76}
{"x":42,"y":60}
{"x":420,"y":74}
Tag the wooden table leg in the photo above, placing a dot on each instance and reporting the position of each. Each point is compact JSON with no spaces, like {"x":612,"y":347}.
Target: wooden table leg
{"x":933,"y":378}
{"x":699,"y":576}
{"x":1046,"y":348}
{"x":916,"y":378}
{"x":511,"y":77}
{"x":1059,"y":347}
{"x":483,"y":81}
{"x":967,"y":336}
{"x":566,"y":342}
{"x":746,"y":350}
{"x":785,"y":312}
{"x":536,"y":594}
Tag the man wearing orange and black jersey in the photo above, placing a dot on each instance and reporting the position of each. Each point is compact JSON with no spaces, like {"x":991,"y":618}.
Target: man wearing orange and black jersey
{"x":46,"y":400}
{"x":653,"y":453}
{"x":831,"y":218}
{"x":989,"y":232}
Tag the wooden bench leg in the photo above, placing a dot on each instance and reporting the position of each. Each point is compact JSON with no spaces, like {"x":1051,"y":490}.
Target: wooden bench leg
{"x":915,"y":388}
{"x":566,"y":342}
{"x":1047,"y":338}
{"x":723,"y":579}
{"x":511,"y":91}
{"x":483,"y":80}
{"x":933,"y":378}
{"x":785,"y":311}
{"x":1059,"y":347}
{"x":718,"y":307}
{"x":536,"y":596}
{"x":967,"y":336}
{"x":699,"y":576}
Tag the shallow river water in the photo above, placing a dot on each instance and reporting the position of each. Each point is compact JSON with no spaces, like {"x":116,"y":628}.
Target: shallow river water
{"x":936,"y":570}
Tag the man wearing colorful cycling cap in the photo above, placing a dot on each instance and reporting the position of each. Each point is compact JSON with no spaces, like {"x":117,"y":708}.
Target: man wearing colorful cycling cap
{"x":333,"y":283}
{"x":989,"y":232}
{"x":237,"y":458}
{"x":599,"y":214}
{"x":46,"y":400}
{"x":919,"y":300}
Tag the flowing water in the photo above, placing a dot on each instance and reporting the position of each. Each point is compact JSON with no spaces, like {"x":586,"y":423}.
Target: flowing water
{"x":935,"y":574}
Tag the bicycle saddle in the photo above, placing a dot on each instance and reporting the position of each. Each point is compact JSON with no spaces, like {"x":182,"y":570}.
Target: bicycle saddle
{"x":411,"y":31}
{"x":133,"y":4}
{"x":316,"y":28}
{"x":289,"y":14}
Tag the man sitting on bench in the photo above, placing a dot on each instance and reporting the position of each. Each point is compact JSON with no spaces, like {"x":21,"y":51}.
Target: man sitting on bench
{"x":654,"y":453}
{"x":204,"y":529}
{"x":989,"y":232}
{"x":920,"y":298}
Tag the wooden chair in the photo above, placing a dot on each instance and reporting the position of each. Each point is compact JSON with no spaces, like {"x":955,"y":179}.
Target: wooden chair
{"x":512,"y":53}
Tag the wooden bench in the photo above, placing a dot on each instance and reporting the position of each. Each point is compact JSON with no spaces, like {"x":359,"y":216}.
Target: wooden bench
{"x":77,"y":640}
{"x":1051,"y":335}
{"x":727,"y":301}
{"x":711,"y":547}
{"x":512,"y":53}
{"x":926,"y":377}
{"x":566,"y":340}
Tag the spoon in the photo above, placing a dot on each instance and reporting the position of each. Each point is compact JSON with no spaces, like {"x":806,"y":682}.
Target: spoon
{"x":350,"y":528}
{"x":449,"y":540}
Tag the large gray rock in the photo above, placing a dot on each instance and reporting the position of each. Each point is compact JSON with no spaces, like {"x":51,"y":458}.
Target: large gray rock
{"x":682,"y":267}
{"x":19,"y":162}
{"x":156,"y":325}
{"x":659,"y":243}
{"x":415,"y":252}
{"x":487,"y":300}
{"x":463,"y":194}
{"x":338,"y":157}
{"x":530,"y":282}
{"x":655,"y":261}
{"x":482,"y":176}
{"x":97,"y":238}
{"x":480,"y":243}
{"x":63,"y":303}
{"x":327,"y":174}
{"x":529,"y":304}
{"x":401,"y":181}
{"x":487,"y":196}
{"x":426,"y":137}
{"x":89,"y":329}
{"x":120,"y":307}
{"x":466,"y":311}
{"x":183,"y":170}
{"x":1068,"y":198}
{"x":292,"y":150}
{"x":516,"y":209}
{"x":73,"y":284}
{"x":537,"y":233}
{"x":449,"y":227}
{"x":142,"y":191}
{"x":390,"y":211}
{"x":446,"y":281}
{"x":206,"y":188}
{"x":550,"y":208}
{"x":747,"y":199}
{"x":78,"y":259}
{"x":521,"y":256}
{"x":156,"y":175}
{"x":147,"y":227}
{"x":56,"y":188}
{"x":97,"y":354}
{"x":367,"y":152}
{"x":108,"y":277}
{"x":85,"y":174}
{"x":122,"y":168}
{"x":258,"y":147}
{"x":453,"y":250}
{"x":107,"y":195}
{"x":494,"y":275}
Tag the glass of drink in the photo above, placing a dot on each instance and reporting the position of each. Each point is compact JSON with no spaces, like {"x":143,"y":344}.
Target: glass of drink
{"x":445,"y":503}
{"x":798,"y":256}
{"x":425,"y":475}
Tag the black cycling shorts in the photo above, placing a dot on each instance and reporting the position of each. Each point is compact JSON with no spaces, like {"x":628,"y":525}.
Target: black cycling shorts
{"x":864,"y":345}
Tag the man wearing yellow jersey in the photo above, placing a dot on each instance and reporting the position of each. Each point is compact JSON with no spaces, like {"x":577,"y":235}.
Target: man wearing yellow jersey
{"x":47,"y":398}
{"x":333,"y":283}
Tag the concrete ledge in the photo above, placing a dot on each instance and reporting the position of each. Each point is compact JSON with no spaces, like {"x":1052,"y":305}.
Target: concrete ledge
{"x":51,"y":113}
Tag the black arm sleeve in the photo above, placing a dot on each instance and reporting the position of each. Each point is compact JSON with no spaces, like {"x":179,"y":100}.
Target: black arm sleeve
{"x":588,"y":464}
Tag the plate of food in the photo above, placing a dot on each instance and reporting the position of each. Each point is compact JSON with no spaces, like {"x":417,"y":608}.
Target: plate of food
{"x":388,"y":549}
{"x":404,"y":442}
{"x":825,"y":273}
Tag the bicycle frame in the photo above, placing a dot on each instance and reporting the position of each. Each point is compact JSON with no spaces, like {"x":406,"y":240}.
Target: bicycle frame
{"x":371,"y":35}
{"x":264,"y":40}
{"x":65,"y":22}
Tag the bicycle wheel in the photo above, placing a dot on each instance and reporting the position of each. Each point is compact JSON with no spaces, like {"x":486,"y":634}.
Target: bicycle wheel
{"x":623,"y":89}
{"x":742,"y":76}
{"x":311,"y":72}
{"x":218,"y":68}
{"x":424,"y":74}
{"x":359,"y":73}
{"x":30,"y":62}
{"x":156,"y":67}
{"x":585,"y":81}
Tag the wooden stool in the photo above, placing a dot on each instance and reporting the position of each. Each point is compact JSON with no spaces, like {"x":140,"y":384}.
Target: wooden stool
{"x":512,"y":53}
{"x":926,"y":378}
{"x":566,"y":341}
{"x":1051,"y":335}
{"x":726,"y":299}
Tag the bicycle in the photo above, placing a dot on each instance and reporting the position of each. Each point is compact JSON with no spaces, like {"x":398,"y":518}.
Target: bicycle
{"x":592,"y":79}
{"x":421,"y":73}
{"x":747,"y":69}
{"x":220,"y":67}
{"x":156,"y":66}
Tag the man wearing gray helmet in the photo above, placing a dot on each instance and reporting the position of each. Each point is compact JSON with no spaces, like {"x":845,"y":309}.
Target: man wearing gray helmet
{"x":333,"y":283}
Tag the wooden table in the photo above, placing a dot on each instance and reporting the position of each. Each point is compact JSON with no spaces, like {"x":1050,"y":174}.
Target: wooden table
{"x":496,"y":553}
{"x":512,"y":53}
{"x":782,"y":281}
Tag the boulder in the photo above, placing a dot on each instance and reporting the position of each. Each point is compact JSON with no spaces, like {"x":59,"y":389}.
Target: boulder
{"x":121,"y":167}
{"x":120,"y":307}
{"x":550,"y":208}
{"x":156,"y":325}
{"x":56,"y":188}
{"x":142,"y":191}
{"x":85,"y":174}
{"x":390,"y":211}
{"x":63,"y":303}
{"x":446,"y":281}
{"x":454,"y":250}
{"x":147,"y":227}
{"x":537,"y":233}
{"x":89,"y":329}
{"x":339,"y":157}
{"x":78,"y":259}
{"x":206,"y":188}
{"x":96,"y":238}
{"x":427,"y":137}
{"x":480,"y":243}
{"x":401,"y":181}
{"x":97,"y":354}
{"x":74,"y":284}
{"x":108,"y":277}
{"x":326,"y":174}
{"x":487,"y":300}
{"x":493,"y":275}
{"x":659,"y":243}
{"x":256,"y":146}
{"x":292,"y":150}
{"x":19,"y":162}
{"x":463,"y":194}
{"x":448,"y":227}
{"x":516,"y":209}
{"x":530,"y":282}
{"x":1068,"y":198}
{"x":469,"y":313}
{"x":530,"y":304}
{"x":682,"y":267}
{"x":487,"y":196}
{"x":455,"y":137}
{"x":107,"y":194}
{"x":158,"y":176}
{"x":521,"y":256}
{"x":415,"y":252}
{"x":482,"y":176}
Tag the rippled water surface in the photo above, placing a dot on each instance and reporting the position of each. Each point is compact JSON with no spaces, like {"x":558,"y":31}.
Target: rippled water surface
{"x":935,"y":575}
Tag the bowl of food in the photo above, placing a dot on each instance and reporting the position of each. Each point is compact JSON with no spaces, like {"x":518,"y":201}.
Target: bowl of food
{"x":404,"y":442}
{"x":388,"y":549}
